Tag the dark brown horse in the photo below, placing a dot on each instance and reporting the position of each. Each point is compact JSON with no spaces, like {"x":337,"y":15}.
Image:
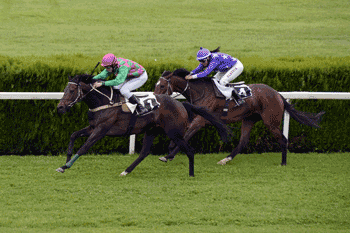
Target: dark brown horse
{"x":265,"y":104}
{"x":171,"y":116}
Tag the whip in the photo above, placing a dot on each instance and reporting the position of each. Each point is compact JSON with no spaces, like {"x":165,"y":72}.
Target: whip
{"x":95,"y":68}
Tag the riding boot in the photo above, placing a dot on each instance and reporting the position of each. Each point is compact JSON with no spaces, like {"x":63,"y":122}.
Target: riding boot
{"x":139,"y":108}
{"x":238,"y":100}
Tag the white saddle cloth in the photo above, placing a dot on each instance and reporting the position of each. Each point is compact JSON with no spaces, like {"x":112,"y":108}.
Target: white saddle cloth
{"x":148,"y":101}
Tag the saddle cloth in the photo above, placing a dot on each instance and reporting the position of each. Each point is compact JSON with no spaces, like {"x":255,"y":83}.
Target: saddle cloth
{"x":226,"y":91}
{"x":148,"y":101}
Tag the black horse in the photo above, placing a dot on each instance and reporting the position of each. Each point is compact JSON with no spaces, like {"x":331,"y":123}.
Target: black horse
{"x":105,"y":118}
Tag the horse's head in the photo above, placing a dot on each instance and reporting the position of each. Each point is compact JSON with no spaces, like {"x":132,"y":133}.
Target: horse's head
{"x":172,"y":81}
{"x":164,"y":86}
{"x":74,"y":92}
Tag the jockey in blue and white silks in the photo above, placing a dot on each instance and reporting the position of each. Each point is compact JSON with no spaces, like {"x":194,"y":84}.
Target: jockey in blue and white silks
{"x":227,"y":67}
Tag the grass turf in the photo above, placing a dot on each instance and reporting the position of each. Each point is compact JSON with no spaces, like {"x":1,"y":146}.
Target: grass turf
{"x":250,"y":194}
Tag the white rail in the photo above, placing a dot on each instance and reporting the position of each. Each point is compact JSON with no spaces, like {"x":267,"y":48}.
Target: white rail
{"x":287,"y":95}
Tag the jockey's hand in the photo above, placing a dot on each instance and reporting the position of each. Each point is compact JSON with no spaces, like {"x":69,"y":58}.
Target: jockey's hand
{"x":188,"y":77}
{"x":97,"y":84}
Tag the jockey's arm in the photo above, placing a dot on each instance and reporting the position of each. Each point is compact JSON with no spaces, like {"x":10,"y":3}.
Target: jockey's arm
{"x":103,"y":75}
{"x":121,"y":77}
{"x":198,"y":69}
{"x":212,"y":65}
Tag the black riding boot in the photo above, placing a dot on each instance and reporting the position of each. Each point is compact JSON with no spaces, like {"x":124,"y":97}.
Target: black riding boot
{"x":139,"y":108}
{"x":239,"y":101}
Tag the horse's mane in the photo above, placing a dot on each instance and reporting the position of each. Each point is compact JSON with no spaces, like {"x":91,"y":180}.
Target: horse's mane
{"x":181,"y":72}
{"x":86,"y":78}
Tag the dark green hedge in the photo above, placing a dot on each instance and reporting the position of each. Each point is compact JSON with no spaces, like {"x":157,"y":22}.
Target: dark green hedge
{"x":34,"y":127}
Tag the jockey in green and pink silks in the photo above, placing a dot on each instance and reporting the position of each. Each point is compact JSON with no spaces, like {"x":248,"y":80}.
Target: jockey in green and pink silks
{"x":129,"y":76}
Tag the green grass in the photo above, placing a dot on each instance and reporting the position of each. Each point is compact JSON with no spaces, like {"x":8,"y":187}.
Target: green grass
{"x":250,"y":194}
{"x":172,"y":31}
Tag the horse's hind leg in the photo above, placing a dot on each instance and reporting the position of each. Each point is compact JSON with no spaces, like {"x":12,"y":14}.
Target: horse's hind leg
{"x":273,"y":123}
{"x":247,"y":125}
{"x":195,"y":126}
{"x":185,"y":147}
{"x":146,"y":148}
{"x":81,"y":133}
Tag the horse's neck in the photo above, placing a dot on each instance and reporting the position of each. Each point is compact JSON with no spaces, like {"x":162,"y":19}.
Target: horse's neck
{"x":94,"y":98}
{"x":194,"y":91}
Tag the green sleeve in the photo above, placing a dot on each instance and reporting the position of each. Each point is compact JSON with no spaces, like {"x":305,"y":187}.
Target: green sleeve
{"x":122,"y":75}
{"x":103,"y":75}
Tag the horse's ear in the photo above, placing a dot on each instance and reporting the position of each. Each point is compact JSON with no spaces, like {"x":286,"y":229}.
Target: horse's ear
{"x":79,"y":78}
{"x":69,"y":78}
{"x":165,"y":73}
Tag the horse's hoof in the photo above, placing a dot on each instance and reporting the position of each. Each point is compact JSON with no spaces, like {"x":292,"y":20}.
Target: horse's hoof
{"x":224,"y":161}
{"x":163,"y":159}
{"x":283,"y":164}
{"x":124,"y":173}
{"x":60,"y":170}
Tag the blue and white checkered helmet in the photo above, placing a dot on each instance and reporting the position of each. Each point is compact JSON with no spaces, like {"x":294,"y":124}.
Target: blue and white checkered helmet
{"x":203,"y":53}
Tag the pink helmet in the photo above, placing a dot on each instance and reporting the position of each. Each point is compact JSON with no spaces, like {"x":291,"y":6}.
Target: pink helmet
{"x":108,"y":60}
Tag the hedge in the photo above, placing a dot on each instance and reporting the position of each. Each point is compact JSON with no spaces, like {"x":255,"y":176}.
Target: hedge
{"x":34,"y":127}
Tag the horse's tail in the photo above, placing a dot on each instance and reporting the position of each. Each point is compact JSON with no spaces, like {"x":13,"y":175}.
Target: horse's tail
{"x":305,"y":118}
{"x":224,"y":132}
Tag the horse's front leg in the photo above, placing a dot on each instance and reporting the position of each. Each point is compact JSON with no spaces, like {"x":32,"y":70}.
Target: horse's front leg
{"x":146,"y":148}
{"x":81,"y":133}
{"x":197,"y":123}
{"x":97,"y":134}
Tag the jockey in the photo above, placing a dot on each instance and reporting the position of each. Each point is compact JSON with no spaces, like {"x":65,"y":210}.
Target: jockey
{"x":227,"y":67}
{"x":129,"y":76}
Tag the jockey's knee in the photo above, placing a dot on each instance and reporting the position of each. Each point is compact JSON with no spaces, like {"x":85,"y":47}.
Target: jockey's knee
{"x":126,"y":93}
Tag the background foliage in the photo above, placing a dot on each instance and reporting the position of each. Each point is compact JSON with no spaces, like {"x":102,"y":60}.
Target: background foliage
{"x":34,"y":127}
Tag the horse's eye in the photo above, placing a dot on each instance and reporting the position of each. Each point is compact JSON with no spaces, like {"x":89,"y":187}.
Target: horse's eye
{"x":162,"y":86}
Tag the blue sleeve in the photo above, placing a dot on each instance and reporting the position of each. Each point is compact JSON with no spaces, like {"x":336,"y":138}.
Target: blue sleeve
{"x":198,"y":69}
{"x":212,"y":65}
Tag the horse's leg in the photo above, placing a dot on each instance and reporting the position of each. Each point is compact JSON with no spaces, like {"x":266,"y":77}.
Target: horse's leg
{"x":197,"y":123}
{"x":273,"y":124}
{"x":176,"y":136}
{"x":185,"y":147}
{"x":247,"y":125}
{"x":146,"y":148}
{"x":81,"y":133}
{"x":97,"y":134}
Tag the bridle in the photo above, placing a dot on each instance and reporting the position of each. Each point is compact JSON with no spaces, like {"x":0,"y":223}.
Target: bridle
{"x":81,"y":95}
{"x":171,"y":89}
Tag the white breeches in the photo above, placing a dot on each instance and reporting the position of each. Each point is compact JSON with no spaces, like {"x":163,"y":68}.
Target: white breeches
{"x":226,"y":77}
{"x":129,"y":85}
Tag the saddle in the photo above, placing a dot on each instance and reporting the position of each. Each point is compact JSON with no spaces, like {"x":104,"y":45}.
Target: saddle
{"x":148,"y":101}
{"x":240,"y":88}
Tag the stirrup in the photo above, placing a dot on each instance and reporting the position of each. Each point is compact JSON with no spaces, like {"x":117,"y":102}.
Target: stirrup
{"x":140,"y":110}
{"x":238,"y":102}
